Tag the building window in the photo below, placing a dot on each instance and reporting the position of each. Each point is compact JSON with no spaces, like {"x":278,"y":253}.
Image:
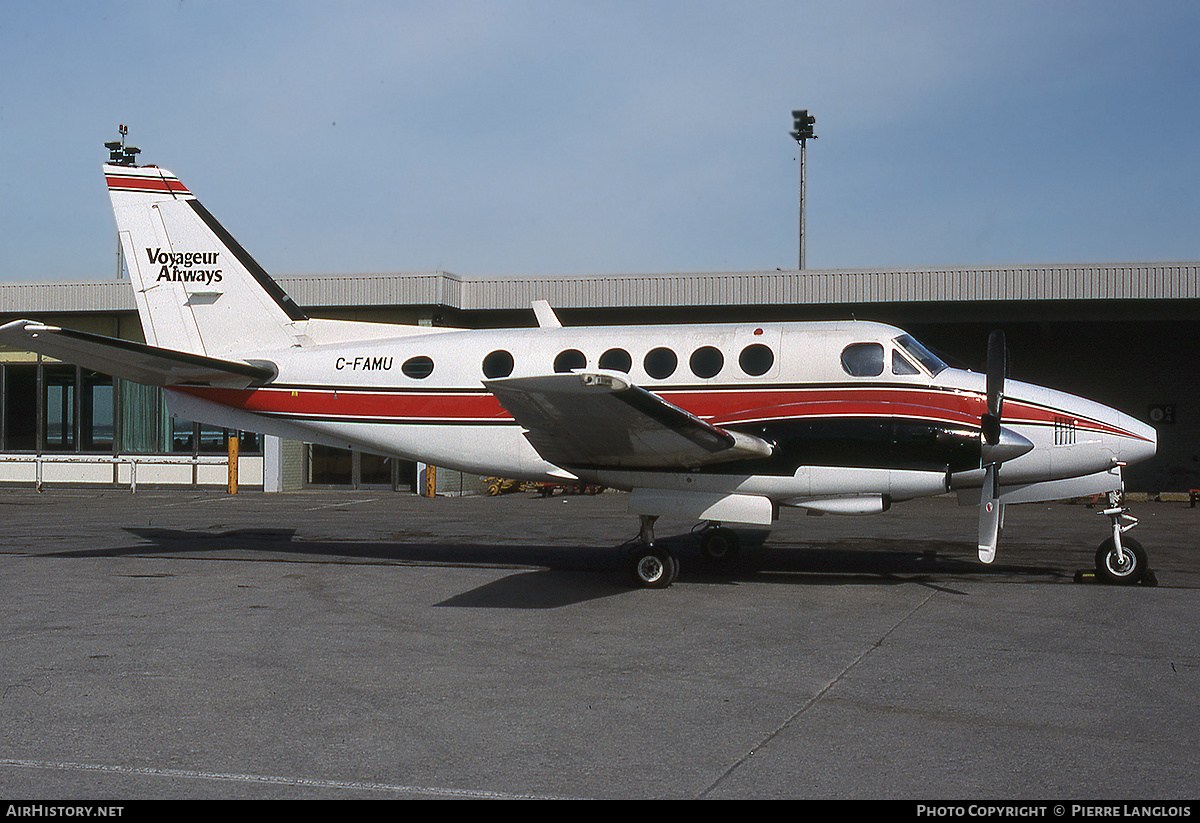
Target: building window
{"x":143,"y":422}
{"x":58,"y":408}
{"x":96,"y":412}
{"x":20,"y":408}
{"x":86,"y":412}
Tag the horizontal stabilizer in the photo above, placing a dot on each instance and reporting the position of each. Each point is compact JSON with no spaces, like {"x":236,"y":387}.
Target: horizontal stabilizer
{"x":601,"y":420}
{"x":129,"y":360}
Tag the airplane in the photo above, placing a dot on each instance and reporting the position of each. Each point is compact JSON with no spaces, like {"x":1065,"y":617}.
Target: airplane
{"x":719,"y":423}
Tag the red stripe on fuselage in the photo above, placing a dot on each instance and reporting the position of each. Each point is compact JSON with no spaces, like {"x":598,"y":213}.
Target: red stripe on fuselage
{"x":720,"y":406}
{"x":723,"y":407}
{"x":344,"y":403}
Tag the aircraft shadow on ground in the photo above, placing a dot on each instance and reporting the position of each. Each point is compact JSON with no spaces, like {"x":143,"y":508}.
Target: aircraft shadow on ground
{"x":555,"y":576}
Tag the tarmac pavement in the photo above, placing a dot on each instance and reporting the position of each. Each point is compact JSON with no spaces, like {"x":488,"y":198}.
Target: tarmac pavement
{"x":335,"y":644}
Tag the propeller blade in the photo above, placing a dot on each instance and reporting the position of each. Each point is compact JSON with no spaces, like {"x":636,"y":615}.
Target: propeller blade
{"x":991,"y":509}
{"x":997,"y":365}
{"x":991,"y":515}
{"x":991,"y":518}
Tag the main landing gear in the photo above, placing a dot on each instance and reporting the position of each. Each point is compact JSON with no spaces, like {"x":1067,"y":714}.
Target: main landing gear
{"x":718,"y":543}
{"x":654,"y":566}
{"x":1121,"y":560}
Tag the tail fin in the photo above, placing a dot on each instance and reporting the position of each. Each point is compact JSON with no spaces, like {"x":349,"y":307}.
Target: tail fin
{"x":197,"y":289}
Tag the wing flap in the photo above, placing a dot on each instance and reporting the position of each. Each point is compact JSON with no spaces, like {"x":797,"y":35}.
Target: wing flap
{"x":129,"y":360}
{"x":599,"y":419}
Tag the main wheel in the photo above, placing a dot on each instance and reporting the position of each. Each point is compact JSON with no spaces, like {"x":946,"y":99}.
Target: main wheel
{"x":1124,"y":571}
{"x":720,"y":544}
{"x":654,"y":568}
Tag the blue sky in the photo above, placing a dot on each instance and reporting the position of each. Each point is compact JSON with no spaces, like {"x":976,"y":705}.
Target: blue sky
{"x":608,"y":137}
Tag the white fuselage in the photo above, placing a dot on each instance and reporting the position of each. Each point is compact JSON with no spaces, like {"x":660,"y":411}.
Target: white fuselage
{"x":899,"y":428}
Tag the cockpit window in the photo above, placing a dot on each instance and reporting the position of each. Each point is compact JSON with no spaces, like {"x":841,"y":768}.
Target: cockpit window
{"x":863,"y":359}
{"x":900,"y":364}
{"x":921,"y":354}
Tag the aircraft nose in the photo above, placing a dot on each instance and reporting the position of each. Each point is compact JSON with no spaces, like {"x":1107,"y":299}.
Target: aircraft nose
{"x":1140,"y":444}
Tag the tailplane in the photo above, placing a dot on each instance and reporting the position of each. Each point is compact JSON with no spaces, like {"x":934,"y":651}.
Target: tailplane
{"x":197,"y":289}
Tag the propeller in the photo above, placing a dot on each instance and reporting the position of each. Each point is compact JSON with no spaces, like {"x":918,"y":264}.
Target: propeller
{"x":998,"y":444}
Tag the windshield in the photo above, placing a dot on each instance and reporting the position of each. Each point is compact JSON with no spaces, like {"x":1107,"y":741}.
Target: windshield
{"x":921,"y":354}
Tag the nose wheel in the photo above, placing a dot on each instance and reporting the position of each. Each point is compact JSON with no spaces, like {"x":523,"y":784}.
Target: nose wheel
{"x":1124,"y":567}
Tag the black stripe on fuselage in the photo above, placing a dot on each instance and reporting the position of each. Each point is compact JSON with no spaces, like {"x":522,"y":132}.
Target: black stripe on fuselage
{"x":849,"y":442}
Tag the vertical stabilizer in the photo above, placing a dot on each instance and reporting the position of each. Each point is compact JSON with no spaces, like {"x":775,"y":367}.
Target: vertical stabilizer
{"x":197,"y":289}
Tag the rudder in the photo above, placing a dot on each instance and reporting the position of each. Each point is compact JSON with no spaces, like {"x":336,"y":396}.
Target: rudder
{"x":197,"y":289}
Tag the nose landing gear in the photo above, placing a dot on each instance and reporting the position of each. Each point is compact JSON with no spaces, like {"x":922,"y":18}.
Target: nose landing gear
{"x":1121,"y":560}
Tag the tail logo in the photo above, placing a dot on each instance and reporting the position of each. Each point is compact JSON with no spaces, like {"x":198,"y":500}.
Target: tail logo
{"x":181,"y":267}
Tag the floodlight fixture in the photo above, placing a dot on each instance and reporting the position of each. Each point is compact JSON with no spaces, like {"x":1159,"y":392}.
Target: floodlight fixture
{"x":802,"y":123}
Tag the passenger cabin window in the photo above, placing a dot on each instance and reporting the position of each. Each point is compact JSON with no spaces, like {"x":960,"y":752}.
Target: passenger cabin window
{"x":901,"y":366}
{"x":863,"y":359}
{"x":707,"y":361}
{"x":569,"y":360}
{"x":756,"y":359}
{"x":418,"y":368}
{"x":616,"y":360}
{"x":498,"y":364}
{"x":660,"y":363}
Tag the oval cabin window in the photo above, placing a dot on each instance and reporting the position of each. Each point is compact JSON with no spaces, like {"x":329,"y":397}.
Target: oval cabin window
{"x":756,"y":359}
{"x":498,"y":364}
{"x":418,"y":367}
{"x":616,"y":360}
{"x":569,"y":360}
{"x":660,"y":363}
{"x":707,"y":361}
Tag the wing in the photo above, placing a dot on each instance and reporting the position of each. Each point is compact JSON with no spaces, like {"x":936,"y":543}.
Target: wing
{"x":132,"y":361}
{"x":586,"y":419}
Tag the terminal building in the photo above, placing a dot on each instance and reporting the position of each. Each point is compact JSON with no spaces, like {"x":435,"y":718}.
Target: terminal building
{"x":1126,"y":335}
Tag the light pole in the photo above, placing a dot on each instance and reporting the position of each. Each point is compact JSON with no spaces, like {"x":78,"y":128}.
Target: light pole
{"x":803,"y":125}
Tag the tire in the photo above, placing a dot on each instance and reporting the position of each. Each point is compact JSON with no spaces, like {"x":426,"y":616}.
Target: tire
{"x":654,"y":568}
{"x":720,"y":544}
{"x":1128,"y":574}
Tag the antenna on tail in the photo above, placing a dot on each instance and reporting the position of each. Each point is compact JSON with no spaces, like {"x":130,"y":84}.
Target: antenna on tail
{"x":119,"y":154}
